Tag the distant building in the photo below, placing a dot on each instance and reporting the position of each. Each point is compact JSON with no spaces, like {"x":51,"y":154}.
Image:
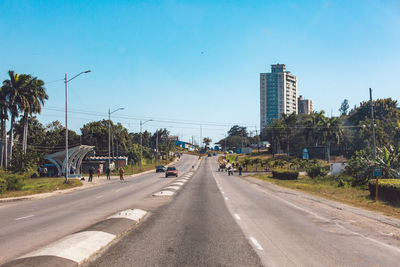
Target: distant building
{"x":278,"y":94}
{"x":305,"y":106}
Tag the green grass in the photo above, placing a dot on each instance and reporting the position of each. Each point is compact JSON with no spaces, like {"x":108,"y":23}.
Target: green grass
{"x":41,"y":185}
{"x":327,"y":188}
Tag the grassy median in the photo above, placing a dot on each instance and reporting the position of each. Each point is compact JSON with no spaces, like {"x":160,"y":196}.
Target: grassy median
{"x":33,"y":186}
{"x":328,"y":188}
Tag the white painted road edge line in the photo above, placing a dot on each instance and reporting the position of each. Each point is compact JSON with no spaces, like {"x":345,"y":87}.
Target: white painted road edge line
{"x":237,"y":216}
{"x":132,"y":214}
{"x":256,"y":244}
{"x":25,"y":217}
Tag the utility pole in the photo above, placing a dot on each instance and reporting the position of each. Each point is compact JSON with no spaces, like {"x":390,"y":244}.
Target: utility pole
{"x":258,"y":140}
{"x":373,"y":141}
{"x":157,"y":147}
{"x":201,"y":141}
{"x":141,"y":142}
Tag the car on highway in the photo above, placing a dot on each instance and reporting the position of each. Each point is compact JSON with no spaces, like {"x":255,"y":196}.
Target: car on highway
{"x":171,"y":171}
{"x":160,"y":168}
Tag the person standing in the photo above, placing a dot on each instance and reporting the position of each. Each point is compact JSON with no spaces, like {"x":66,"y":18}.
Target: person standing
{"x":240,"y":170}
{"x":98,"y":172}
{"x":91,"y":171}
{"x":108,"y":173}
{"x":121,"y":173}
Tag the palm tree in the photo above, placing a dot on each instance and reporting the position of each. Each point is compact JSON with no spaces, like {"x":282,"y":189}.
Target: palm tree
{"x":34,"y":96}
{"x":3,"y":119}
{"x":313,"y":127}
{"x":14,"y":87}
{"x":332,"y":132}
{"x":207,"y":141}
{"x":289,"y":121}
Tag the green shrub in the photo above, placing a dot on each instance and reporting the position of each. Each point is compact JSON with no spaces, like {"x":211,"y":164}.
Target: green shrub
{"x":3,"y":185}
{"x":285,"y":174}
{"x":388,"y":189}
{"x":315,"y":170}
{"x":343,"y":180}
{"x":14,"y":182}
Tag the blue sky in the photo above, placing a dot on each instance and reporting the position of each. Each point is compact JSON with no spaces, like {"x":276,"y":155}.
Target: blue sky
{"x":198,"y":61}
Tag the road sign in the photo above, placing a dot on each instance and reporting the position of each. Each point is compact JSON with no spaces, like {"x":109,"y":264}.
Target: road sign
{"x":377,"y":172}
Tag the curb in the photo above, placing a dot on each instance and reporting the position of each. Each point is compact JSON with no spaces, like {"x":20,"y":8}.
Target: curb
{"x":77,"y":248}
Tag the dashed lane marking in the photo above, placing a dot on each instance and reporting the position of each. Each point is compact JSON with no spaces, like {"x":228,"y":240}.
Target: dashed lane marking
{"x":99,"y":196}
{"x":25,"y":217}
{"x":237,"y":216}
{"x":178,"y":183}
{"x":256,"y":244}
{"x":226,"y":198}
{"x":116,"y":191}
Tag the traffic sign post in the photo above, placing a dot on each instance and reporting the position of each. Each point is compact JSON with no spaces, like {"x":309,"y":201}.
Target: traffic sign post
{"x":377,"y":173}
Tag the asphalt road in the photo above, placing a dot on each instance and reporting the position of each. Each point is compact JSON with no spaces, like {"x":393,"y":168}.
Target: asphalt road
{"x":221,"y":220}
{"x":195,"y":229}
{"x":290,"y":228}
{"x":31,"y":224}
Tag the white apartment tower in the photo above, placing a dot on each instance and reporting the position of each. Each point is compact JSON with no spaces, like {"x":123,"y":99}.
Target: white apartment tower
{"x":278,"y":94}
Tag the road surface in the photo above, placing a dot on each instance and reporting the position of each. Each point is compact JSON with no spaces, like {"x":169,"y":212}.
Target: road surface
{"x":221,"y":220}
{"x":31,"y":224}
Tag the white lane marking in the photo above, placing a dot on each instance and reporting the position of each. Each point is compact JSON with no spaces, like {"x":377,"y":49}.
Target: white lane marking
{"x":222,"y":192}
{"x":256,"y":244}
{"x":116,"y":191}
{"x":226,"y":198}
{"x":25,"y":217}
{"x":132,"y":214}
{"x":76,"y":247}
{"x":237,"y":216}
{"x":99,"y":196}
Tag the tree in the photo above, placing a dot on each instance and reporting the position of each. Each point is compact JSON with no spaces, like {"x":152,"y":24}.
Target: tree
{"x":289,"y":121}
{"x":344,"y":107}
{"x":332,"y":132}
{"x":207,"y":141}
{"x":237,"y":130}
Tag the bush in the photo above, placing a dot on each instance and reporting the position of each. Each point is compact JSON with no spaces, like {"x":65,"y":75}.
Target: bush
{"x":285,"y":174}
{"x":343,"y":180}
{"x":316,"y":170}
{"x":3,"y":185}
{"x":388,"y":190}
{"x":14,"y":182}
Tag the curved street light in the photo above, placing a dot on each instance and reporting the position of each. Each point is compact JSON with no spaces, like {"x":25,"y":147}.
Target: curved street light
{"x":66,"y":80}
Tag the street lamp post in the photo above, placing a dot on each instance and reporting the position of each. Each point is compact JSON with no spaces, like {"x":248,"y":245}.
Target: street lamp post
{"x":141,"y":142}
{"x":66,"y":121}
{"x":109,"y":133}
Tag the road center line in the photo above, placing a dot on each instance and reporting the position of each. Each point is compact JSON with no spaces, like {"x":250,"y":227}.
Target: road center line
{"x":256,"y":244}
{"x":25,"y":217}
{"x":237,"y":216}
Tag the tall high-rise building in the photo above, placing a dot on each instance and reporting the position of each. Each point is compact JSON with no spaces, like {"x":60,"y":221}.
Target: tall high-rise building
{"x":305,"y":106}
{"x":278,"y":94}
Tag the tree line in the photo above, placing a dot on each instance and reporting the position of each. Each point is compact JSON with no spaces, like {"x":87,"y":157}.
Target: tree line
{"x":27,"y":140}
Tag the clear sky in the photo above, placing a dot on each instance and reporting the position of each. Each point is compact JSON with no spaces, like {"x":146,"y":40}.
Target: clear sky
{"x":198,"y":61}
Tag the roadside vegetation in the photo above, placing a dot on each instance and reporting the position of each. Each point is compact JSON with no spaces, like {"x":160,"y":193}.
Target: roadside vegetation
{"x":24,"y":141}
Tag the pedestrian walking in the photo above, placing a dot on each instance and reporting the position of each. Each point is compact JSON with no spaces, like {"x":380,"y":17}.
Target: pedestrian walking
{"x":121,"y":173}
{"x":240,"y":170}
{"x":230,"y":171}
{"x":91,"y":172}
{"x":108,"y":171}
{"x":98,"y":172}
